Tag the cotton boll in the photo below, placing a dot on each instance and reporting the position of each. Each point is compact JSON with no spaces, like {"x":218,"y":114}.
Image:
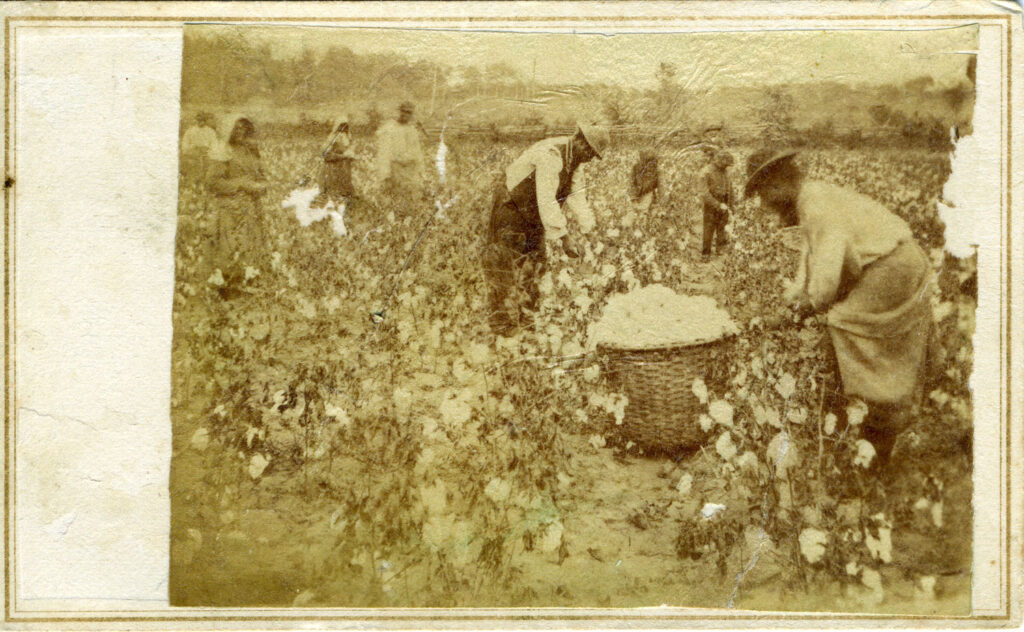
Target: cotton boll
{"x":722,"y":412}
{"x":812,"y":545}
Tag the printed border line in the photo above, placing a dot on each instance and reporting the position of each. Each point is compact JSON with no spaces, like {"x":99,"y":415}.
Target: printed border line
{"x":1006,"y":21}
{"x":8,"y":290}
{"x":533,"y":18}
{"x":1009,"y":307}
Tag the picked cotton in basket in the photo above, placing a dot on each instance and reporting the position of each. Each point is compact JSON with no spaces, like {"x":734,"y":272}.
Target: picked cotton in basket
{"x":655,"y":315}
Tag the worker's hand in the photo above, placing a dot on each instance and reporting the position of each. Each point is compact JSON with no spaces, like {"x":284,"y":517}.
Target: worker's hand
{"x":570,"y":247}
{"x":793,"y":293}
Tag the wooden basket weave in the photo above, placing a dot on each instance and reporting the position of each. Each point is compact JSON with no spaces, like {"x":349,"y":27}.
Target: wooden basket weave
{"x":661,"y":416}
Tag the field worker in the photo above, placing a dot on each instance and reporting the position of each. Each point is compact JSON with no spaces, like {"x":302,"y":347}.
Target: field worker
{"x":645,"y":182}
{"x":527,"y":217}
{"x":196,"y":145}
{"x":400,"y":159}
{"x":236,"y":185}
{"x":861,"y":267}
{"x":717,"y":200}
{"x":336,"y":175}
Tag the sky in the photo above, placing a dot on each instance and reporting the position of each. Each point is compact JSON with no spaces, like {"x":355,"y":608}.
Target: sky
{"x":704,"y":59}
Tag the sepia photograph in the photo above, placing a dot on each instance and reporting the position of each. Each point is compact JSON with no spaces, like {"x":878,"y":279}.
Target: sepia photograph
{"x":483,"y":318}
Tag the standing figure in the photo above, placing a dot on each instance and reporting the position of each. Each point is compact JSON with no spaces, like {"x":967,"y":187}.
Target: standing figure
{"x":400,"y":159}
{"x":862,"y":267}
{"x":717,"y":201}
{"x":236,"y":184}
{"x":196,"y":145}
{"x":336,"y":175}
{"x":527,"y":218}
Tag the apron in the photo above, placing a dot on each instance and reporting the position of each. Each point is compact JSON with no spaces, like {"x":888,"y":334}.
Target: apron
{"x":881,"y":327}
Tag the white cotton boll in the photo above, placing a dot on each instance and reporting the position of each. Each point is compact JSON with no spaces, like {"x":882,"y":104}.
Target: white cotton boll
{"x":812,"y":545}
{"x":865,"y":454}
{"x":782,"y":454}
{"x":856,"y":412}
{"x":721,"y":411}
{"x":880,"y":547}
{"x":830,"y":423}
{"x":338,"y":223}
{"x":685,"y":484}
{"x":706,"y":423}
{"x":710,"y":509}
{"x":725,"y":447}
{"x":700,"y":390}
{"x":216,"y":279}
{"x":786,"y":386}
{"x":257,"y":465}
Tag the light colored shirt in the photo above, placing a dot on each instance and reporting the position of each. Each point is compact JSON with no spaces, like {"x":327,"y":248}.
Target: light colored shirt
{"x":843,"y":231}
{"x":397,"y":142}
{"x":544,"y":158}
{"x":199,"y":139}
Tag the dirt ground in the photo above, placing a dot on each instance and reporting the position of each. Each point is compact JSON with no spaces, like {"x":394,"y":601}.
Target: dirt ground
{"x":259,"y":540}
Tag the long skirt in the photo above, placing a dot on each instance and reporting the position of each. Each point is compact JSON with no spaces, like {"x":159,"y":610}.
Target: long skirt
{"x":881,"y":328}
{"x":336,"y":179}
{"x":241,"y":235}
{"x":404,"y":188}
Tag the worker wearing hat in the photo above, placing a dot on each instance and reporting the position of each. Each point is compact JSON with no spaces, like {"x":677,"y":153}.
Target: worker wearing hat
{"x":197,"y":144}
{"x":400,"y":159}
{"x":717,"y":200}
{"x":863,"y":269}
{"x":528,"y":221}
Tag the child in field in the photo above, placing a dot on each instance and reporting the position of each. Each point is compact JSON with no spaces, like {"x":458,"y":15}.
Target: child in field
{"x":717,"y":199}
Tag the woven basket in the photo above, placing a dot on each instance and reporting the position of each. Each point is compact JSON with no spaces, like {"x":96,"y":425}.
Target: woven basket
{"x":661,"y":416}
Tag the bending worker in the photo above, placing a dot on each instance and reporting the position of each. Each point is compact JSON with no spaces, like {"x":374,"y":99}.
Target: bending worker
{"x":861,"y":267}
{"x":527,"y":218}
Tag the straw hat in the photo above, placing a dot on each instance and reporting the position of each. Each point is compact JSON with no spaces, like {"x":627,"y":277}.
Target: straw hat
{"x":597,"y":137}
{"x":760,"y":163}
